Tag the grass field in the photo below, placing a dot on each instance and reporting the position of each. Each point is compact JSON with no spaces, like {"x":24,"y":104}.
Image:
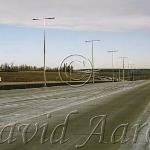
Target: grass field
{"x":35,"y":76}
{"x":28,"y":76}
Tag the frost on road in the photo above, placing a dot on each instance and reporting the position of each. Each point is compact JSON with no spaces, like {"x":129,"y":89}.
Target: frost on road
{"x":121,"y":103}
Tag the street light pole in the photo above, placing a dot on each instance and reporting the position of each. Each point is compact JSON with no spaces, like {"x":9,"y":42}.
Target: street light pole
{"x":119,"y":74}
{"x":44,"y":41}
{"x":45,"y":81}
{"x":133,"y":67}
{"x":128,"y":71}
{"x":92,"y":42}
{"x":123,"y":60}
{"x":113,"y":74}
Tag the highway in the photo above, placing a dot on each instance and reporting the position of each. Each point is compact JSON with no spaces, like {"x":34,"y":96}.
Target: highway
{"x":122,"y":103}
{"x":28,"y":103}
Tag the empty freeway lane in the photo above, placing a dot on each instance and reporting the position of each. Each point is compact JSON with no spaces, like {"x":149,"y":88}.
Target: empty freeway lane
{"x":109,"y":104}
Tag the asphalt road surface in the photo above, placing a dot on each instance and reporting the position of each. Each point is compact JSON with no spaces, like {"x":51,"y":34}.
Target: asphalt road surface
{"x":121,"y":104}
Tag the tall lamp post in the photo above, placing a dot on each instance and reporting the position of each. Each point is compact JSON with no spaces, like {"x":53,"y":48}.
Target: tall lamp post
{"x":123,"y":63}
{"x":132,"y":68}
{"x":44,"y":48}
{"x":112,"y":52}
{"x":92,"y":42}
{"x":119,"y":75}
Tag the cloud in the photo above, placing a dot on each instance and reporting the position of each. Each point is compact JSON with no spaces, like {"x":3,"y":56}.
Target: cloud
{"x":88,"y":15}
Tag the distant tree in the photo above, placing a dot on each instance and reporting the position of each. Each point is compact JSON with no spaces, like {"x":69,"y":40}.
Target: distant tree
{"x":14,"y":68}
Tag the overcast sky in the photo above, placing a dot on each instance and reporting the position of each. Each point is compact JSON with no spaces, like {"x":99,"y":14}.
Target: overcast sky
{"x":101,"y":15}
{"x":122,"y":25}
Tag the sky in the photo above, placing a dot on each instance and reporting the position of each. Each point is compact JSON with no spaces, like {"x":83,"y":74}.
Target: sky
{"x":122,"y":25}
